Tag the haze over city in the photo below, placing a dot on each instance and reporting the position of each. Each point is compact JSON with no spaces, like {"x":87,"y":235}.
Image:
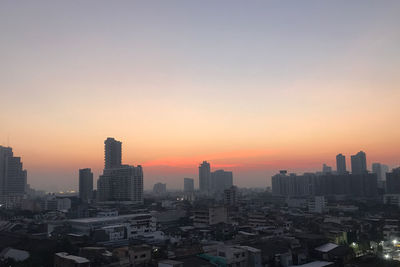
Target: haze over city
{"x":250,"y":88}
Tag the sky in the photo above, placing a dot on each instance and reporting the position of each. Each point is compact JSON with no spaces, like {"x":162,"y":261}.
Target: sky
{"x":250,"y":86}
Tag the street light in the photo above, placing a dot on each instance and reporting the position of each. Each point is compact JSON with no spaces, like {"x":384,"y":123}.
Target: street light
{"x":386,"y":256}
{"x":394,"y":241}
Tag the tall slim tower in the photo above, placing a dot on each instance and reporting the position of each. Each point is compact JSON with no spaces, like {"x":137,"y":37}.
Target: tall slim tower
{"x":85,"y":184}
{"x":204,"y":177}
{"x":359,"y":163}
{"x":112,"y":153}
{"x":340,"y":164}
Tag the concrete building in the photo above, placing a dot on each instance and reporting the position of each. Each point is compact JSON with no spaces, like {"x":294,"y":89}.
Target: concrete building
{"x":221,"y":180}
{"x":63,"y":259}
{"x":116,"y":228}
{"x":326,"y":169}
{"x":188,"y":185}
{"x":85,"y":184}
{"x":341,"y":164}
{"x":359,"y":163}
{"x":231,"y":196}
{"x":160,"y":188}
{"x":380,"y":170}
{"x":12,"y":177}
{"x":210,"y":216}
{"x":393,"y":181}
{"x":112,"y":153}
{"x":204,"y":178}
{"x":119,"y":182}
{"x":317,"y":204}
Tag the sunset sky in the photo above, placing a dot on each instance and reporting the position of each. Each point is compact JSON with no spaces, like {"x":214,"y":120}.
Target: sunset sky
{"x":250,"y":86}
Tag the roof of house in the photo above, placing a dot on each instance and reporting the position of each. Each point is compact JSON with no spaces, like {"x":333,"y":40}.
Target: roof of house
{"x":326,"y":247}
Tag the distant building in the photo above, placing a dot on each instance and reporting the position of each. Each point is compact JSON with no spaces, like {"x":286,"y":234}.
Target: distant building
{"x":13,"y":182}
{"x":326,"y":169}
{"x":317,"y":204}
{"x":85,"y":184}
{"x":188,"y":185}
{"x":231,"y":196}
{"x":160,"y":188}
{"x":112,"y":153}
{"x":119,"y":182}
{"x":210,"y":216}
{"x":221,"y":180}
{"x":393,"y":181}
{"x":341,"y":164}
{"x":204,"y":177}
{"x":63,"y":259}
{"x":380,"y":170}
{"x":359,"y":163}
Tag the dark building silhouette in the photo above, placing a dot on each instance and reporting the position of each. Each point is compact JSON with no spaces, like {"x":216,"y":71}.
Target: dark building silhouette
{"x":12,"y":175}
{"x":357,"y":185}
{"x":85,"y":184}
{"x":393,"y":181}
{"x":204,"y":177}
{"x":188,"y":185}
{"x":119,"y":182}
{"x":112,"y":153}
{"x":359,"y":163}
{"x":221,"y":180}
{"x":341,"y":164}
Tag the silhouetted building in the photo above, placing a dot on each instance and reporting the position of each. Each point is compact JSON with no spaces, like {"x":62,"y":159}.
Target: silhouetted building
{"x":326,"y":169}
{"x":12,"y":175}
{"x":119,"y":182}
{"x":359,"y":163}
{"x":380,"y":170}
{"x":393,"y":181}
{"x":231,"y":196}
{"x":221,"y":180}
{"x":341,"y":164}
{"x":85,"y":184}
{"x":204,"y":177}
{"x":160,"y":188}
{"x":356,"y":185}
{"x":188,"y":185}
{"x":112,"y":153}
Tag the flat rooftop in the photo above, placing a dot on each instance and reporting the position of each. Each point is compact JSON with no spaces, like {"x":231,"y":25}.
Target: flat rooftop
{"x":111,"y":218}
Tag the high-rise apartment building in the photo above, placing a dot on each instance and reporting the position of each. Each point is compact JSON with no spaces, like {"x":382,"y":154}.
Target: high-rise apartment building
{"x":12,"y":175}
{"x":204,"y":177}
{"x":341,"y":164}
{"x":188,"y":185}
{"x":119,"y":182}
{"x":326,"y":169}
{"x":393,"y":182}
{"x":380,"y":170}
{"x":359,"y":163}
{"x":85,"y":184}
{"x":112,"y":153}
{"x":221,"y":180}
{"x":160,"y":188}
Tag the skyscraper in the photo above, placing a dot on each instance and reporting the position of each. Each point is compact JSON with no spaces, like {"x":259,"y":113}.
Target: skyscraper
{"x":393,"y":182}
{"x":204,"y":177}
{"x":160,"y":188}
{"x":188,"y":185}
{"x":359,"y":163}
{"x":341,"y":164}
{"x":85,"y":184}
{"x":326,"y":169}
{"x":119,"y":182}
{"x":112,"y":153}
{"x":12,"y":175}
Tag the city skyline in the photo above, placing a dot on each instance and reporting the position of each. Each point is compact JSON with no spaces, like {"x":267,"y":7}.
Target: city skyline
{"x":251,"y":88}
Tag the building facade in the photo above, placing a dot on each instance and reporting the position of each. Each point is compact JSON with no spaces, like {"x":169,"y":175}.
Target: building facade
{"x":85,"y":184}
{"x":204,"y":177}
{"x":359,"y":163}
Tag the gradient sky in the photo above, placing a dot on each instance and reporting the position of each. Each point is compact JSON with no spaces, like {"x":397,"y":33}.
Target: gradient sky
{"x":251,"y":86}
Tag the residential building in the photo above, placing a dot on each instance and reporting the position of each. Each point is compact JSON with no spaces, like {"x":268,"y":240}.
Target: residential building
{"x":317,"y":204}
{"x":231,"y":196}
{"x":341,"y":164}
{"x":85,"y":184}
{"x":210,"y":216}
{"x":221,"y":180}
{"x":359,"y":163}
{"x":112,"y":153}
{"x":188,"y":185}
{"x":63,"y":259}
{"x":160,"y":188}
{"x":380,"y":170}
{"x":204,"y":177}
{"x":326,"y":169}
{"x":393,"y":181}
